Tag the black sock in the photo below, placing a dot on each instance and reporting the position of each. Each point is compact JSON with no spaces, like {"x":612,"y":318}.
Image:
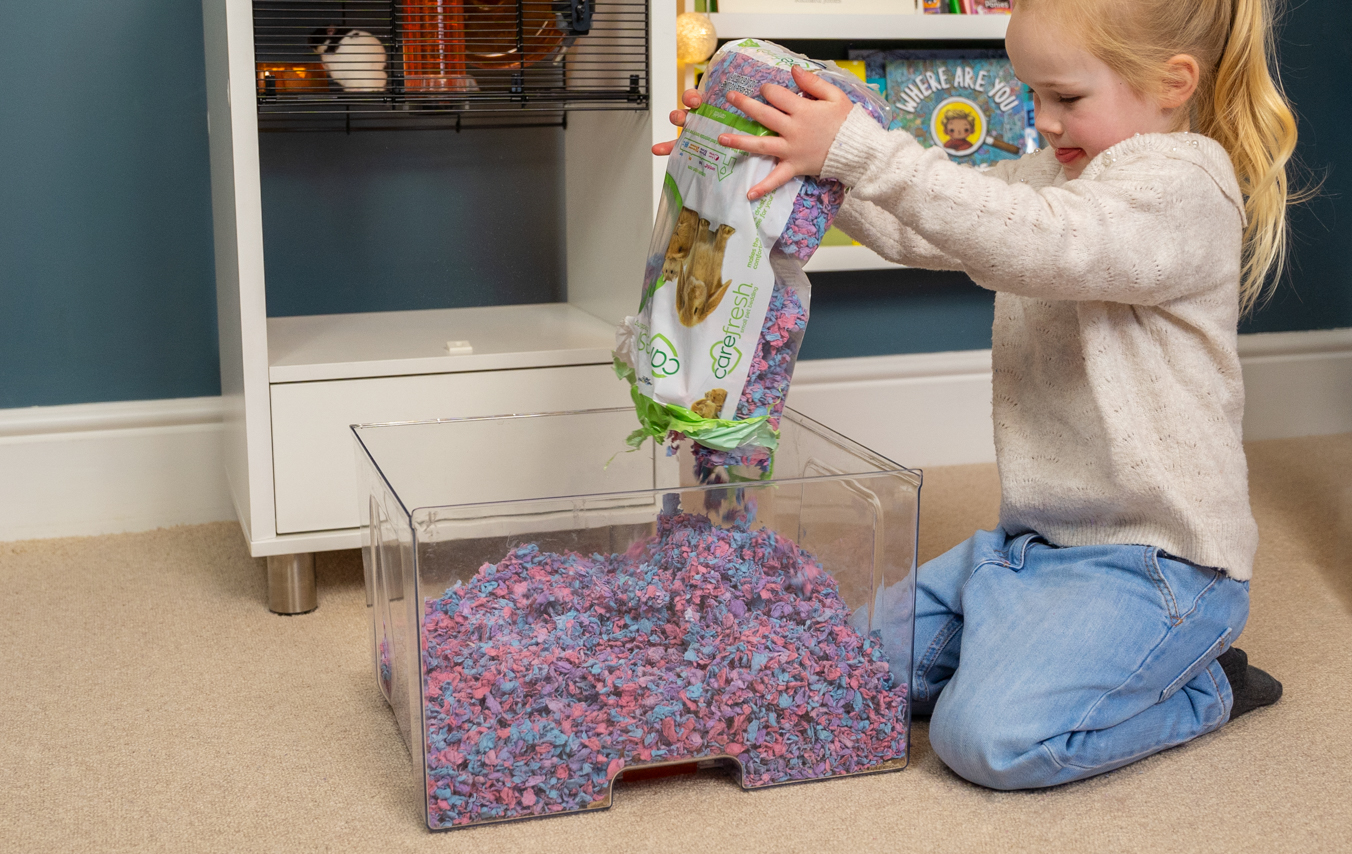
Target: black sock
{"x":1252,"y":688}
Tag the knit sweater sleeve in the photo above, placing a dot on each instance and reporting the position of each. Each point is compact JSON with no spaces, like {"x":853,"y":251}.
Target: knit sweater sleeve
{"x":883,"y":233}
{"x":1143,"y":232}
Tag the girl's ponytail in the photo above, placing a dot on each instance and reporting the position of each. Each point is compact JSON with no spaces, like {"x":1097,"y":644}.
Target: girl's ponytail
{"x":1247,"y":113}
{"x":1239,"y":101}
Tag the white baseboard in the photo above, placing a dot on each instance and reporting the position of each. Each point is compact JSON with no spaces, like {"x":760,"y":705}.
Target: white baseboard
{"x":1297,"y":383}
{"x":102,"y":468}
{"x":921,"y":409}
{"x":105,"y":468}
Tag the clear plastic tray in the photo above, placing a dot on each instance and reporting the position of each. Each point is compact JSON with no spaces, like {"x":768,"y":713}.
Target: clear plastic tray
{"x":550,"y":611}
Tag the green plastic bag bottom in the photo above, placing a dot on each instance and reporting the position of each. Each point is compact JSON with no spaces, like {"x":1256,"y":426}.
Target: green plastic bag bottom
{"x":656,"y":420}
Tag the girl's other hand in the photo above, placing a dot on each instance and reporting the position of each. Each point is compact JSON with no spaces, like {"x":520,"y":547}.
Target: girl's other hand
{"x":805,"y":127}
{"x":691,"y":98}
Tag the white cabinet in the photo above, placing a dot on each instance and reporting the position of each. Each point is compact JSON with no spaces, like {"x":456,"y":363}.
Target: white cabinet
{"x":292,"y":385}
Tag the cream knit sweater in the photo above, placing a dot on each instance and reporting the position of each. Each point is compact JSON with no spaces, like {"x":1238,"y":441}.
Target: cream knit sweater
{"x":1117,"y":389}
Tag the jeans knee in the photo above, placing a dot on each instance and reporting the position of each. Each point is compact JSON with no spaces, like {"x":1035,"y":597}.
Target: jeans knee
{"x":962,"y":747}
{"x":988,"y":750}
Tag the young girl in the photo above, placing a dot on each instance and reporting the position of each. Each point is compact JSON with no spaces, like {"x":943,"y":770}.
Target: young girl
{"x":1094,"y":626}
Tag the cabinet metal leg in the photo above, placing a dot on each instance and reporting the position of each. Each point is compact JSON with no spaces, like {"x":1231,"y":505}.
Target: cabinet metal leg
{"x":291,"y":583}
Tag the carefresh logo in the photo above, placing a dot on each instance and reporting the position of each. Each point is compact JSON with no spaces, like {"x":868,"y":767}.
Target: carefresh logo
{"x":725,"y":353}
{"x":726,"y":356}
{"x":662,"y":356}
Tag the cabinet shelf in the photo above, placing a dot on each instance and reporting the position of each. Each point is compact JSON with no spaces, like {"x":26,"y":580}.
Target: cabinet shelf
{"x":402,"y":343}
{"x":902,"y":27}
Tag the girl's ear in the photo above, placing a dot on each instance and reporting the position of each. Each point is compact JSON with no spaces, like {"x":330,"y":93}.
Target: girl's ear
{"x":1181,"y":76}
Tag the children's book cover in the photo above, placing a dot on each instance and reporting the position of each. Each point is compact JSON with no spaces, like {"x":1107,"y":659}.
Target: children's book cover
{"x":967,"y":102}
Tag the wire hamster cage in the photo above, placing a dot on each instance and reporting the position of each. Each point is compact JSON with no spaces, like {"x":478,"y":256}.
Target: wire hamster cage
{"x":438,"y":63}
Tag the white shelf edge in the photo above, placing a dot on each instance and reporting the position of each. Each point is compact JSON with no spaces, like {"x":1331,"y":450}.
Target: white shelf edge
{"x":438,"y":365}
{"x":901,"y":26}
{"x":829,"y":259}
{"x":303,"y":349}
{"x":307,"y":541}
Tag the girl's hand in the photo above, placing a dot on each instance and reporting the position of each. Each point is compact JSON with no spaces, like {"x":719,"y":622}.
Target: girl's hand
{"x":805,"y":127}
{"x":691,"y":98}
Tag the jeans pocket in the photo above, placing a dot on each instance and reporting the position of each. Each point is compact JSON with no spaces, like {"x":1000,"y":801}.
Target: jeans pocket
{"x":1181,"y":584}
{"x":1016,"y":553}
{"x":1197,"y":666}
{"x":1151,"y":556}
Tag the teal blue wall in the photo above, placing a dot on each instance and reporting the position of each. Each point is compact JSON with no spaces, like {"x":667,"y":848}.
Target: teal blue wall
{"x":106,"y":274}
{"x":106,"y":271}
{"x":1316,"y":56}
{"x":388,"y":221}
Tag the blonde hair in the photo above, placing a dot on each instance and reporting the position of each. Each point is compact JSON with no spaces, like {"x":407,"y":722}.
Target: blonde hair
{"x":1239,"y":100}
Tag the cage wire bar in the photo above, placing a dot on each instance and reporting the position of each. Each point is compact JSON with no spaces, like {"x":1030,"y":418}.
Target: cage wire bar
{"x":408,"y":64}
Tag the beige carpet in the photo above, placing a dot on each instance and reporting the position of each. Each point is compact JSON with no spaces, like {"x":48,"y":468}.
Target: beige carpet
{"x":149,"y":702}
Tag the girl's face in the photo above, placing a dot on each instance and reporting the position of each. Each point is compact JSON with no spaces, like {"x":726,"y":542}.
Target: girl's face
{"x":958,"y":128}
{"x":1082,"y":106}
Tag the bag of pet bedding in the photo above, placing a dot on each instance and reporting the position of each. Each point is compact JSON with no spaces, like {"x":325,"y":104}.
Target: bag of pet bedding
{"x":725,"y":301}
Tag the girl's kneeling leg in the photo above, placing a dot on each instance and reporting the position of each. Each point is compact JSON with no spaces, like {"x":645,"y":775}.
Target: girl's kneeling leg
{"x":1076,"y":661}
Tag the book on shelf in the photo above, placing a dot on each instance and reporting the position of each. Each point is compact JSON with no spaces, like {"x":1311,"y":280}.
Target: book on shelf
{"x":966,"y":101}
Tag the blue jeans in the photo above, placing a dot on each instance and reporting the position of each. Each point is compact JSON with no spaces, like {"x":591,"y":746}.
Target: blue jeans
{"x":1041,"y":665}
